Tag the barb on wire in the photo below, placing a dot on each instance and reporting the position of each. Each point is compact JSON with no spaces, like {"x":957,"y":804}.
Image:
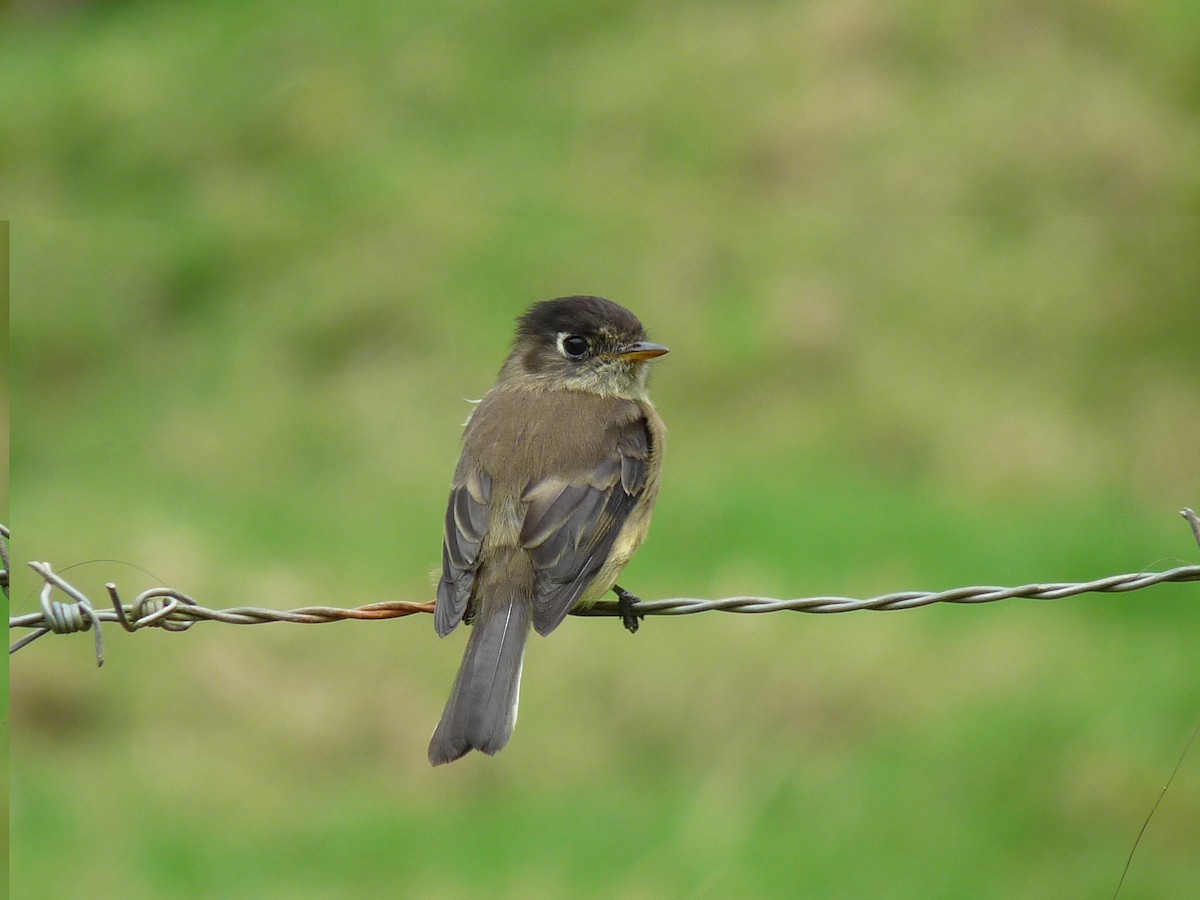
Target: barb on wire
{"x":174,"y":611}
{"x":5,"y":534}
{"x":170,"y":610}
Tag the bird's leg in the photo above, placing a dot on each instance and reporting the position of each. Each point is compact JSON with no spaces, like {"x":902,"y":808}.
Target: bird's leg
{"x":625,"y":601}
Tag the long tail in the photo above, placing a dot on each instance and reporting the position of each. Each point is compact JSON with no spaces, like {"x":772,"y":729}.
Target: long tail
{"x":482,"y":708}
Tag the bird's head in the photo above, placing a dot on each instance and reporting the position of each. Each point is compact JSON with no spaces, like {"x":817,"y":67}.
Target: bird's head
{"x":582,"y":343}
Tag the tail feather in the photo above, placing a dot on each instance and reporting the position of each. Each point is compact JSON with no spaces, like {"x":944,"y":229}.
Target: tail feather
{"x":482,"y":708}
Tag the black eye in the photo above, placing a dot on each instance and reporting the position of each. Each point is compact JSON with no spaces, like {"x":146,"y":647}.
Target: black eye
{"x":574,"y":346}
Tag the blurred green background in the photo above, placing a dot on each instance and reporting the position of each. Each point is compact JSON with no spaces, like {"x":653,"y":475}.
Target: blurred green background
{"x":929,"y":275}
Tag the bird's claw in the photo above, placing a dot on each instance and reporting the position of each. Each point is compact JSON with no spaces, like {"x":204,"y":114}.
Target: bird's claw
{"x":625,"y":603}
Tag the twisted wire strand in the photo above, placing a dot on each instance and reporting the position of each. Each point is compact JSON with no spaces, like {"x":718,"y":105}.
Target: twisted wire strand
{"x":175,"y":611}
{"x":5,"y":534}
{"x":901,"y":600}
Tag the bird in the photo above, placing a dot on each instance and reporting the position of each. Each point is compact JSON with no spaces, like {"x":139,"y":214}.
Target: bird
{"x":553,"y":493}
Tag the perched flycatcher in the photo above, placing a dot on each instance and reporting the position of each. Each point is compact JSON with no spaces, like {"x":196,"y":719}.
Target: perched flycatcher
{"x":553,"y":493}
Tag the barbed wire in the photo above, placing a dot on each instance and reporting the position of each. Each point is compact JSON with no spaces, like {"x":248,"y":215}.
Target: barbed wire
{"x":5,"y":534}
{"x":173,"y":610}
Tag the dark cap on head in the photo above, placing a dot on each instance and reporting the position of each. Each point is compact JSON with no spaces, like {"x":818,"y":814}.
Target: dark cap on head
{"x":582,"y":315}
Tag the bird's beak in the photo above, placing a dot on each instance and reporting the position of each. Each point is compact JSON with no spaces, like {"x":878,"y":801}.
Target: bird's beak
{"x":640,"y":350}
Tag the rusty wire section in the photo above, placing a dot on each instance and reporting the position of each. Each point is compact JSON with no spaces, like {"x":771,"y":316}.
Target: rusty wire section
{"x":172,"y":610}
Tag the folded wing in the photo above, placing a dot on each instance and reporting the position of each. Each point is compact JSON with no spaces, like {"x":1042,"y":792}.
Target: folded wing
{"x":570,"y":525}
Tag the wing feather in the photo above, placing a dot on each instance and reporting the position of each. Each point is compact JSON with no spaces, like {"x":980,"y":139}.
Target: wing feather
{"x":570,"y":526}
{"x":466,"y":524}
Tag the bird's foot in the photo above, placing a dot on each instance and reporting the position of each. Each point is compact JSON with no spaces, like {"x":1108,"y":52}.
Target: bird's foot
{"x":625,"y":602}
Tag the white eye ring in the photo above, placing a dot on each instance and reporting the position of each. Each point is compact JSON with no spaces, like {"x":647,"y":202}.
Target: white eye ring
{"x":573,"y":346}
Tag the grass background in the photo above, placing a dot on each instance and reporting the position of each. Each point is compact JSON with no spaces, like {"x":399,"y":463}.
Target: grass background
{"x":929,"y":275}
